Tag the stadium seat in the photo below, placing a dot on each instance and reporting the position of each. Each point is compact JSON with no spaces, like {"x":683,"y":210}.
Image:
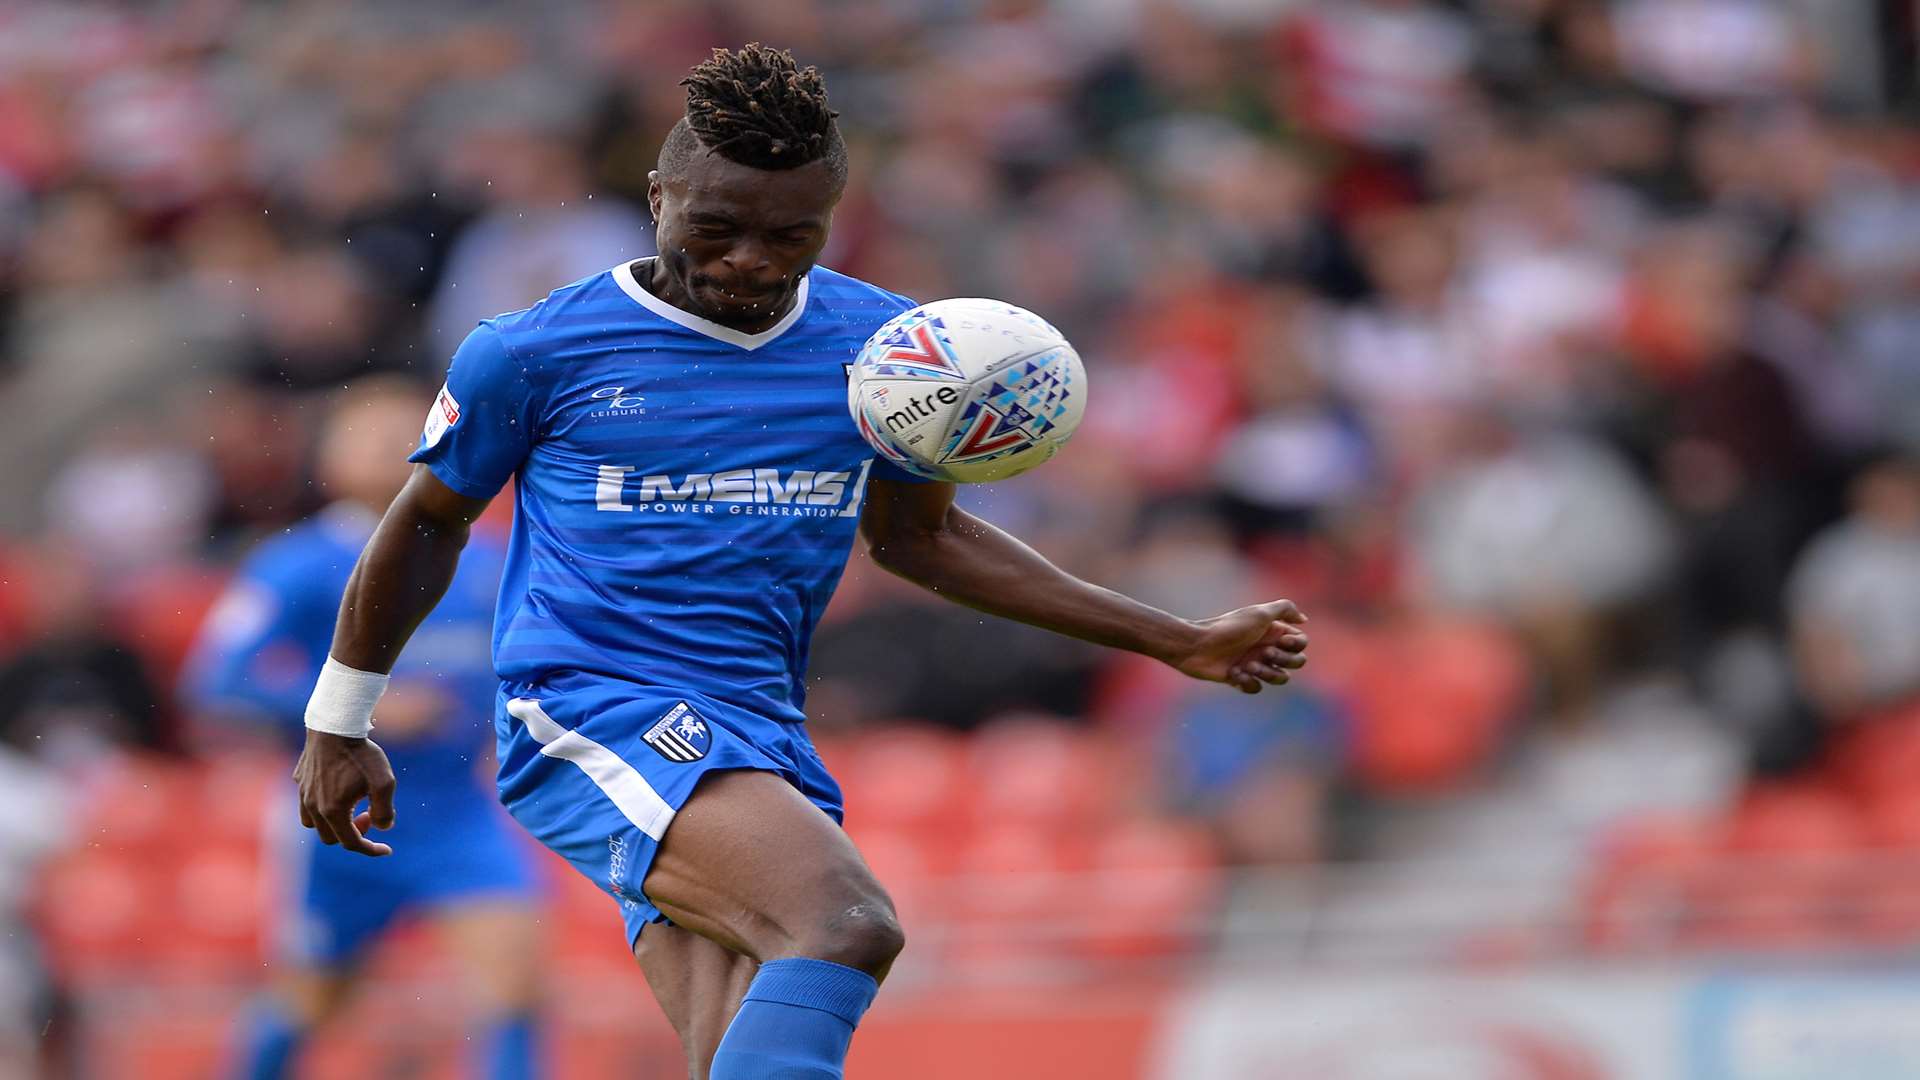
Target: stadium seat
{"x":582,"y":921}
{"x":1646,"y":873}
{"x":1795,"y":818}
{"x":1878,"y":755}
{"x":1150,"y":883}
{"x":247,"y":788}
{"x":1430,"y":699}
{"x":899,"y":775}
{"x":901,"y":859}
{"x":16,"y":601}
{"x":160,"y":613}
{"x":131,"y":803}
{"x":1040,"y":772}
{"x":215,"y":915}
{"x":1891,"y":817}
{"x":1012,"y":901}
{"x":1785,"y":884}
{"x":89,"y":906}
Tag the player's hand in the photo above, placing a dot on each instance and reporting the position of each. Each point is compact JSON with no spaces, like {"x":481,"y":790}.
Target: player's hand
{"x":335,"y":773}
{"x":1248,"y":649}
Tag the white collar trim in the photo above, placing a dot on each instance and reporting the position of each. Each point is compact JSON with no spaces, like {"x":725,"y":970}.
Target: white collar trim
{"x":623,"y":276}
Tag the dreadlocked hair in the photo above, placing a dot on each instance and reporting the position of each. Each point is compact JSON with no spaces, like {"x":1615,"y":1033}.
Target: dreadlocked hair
{"x":758,"y":108}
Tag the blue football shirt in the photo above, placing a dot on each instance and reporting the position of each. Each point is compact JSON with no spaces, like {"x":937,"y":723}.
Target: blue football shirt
{"x":686,"y":494}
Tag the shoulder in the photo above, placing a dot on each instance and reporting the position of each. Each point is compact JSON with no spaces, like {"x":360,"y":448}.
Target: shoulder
{"x":854,"y":299}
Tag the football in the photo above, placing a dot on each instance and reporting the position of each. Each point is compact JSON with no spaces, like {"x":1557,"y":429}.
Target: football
{"x":967,"y":390}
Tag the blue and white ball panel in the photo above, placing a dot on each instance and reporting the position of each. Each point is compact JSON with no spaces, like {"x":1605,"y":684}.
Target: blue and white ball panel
{"x":1015,"y":408}
{"x":906,"y":420}
{"x":967,"y":390}
{"x":913,"y":345}
{"x":597,"y":769}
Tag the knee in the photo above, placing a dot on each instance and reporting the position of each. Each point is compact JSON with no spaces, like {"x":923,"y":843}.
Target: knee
{"x":864,"y":934}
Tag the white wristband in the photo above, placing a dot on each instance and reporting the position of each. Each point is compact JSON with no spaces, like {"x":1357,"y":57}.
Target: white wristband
{"x":343,"y":700}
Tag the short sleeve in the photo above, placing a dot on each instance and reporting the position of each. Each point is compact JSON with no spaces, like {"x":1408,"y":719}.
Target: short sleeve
{"x":480,"y":427}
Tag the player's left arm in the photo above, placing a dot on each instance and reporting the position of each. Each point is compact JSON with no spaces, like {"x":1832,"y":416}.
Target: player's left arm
{"x":916,"y":532}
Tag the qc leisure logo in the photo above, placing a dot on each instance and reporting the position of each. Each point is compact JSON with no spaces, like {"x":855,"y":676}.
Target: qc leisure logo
{"x":617,"y":402}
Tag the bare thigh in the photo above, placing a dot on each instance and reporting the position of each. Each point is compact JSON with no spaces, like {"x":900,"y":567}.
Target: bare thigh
{"x":751,"y":865}
{"x":699,"y":986}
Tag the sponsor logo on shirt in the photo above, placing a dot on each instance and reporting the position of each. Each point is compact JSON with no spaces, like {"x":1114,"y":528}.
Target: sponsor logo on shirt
{"x":618,"y":402}
{"x":760,"y":492}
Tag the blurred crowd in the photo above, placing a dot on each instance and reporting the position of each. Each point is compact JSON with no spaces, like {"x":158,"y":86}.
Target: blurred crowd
{"x":1560,"y":357}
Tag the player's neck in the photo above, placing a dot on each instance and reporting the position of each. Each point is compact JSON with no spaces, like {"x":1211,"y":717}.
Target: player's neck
{"x":653,"y":276}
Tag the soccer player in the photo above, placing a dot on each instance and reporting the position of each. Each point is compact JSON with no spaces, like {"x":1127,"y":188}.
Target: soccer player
{"x":465,"y":870}
{"x":688,"y":488}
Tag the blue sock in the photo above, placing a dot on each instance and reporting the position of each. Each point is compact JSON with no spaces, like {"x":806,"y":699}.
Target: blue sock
{"x":795,"y":1023}
{"x":512,"y":1047}
{"x":268,"y":1043}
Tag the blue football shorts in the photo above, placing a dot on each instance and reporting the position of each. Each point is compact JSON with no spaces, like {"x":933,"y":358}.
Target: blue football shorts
{"x":596,"y":770}
{"x":460,"y":849}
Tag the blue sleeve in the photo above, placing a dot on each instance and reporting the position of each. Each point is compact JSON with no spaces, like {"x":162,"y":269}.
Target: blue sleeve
{"x":481,"y":425}
{"x":261,"y":646}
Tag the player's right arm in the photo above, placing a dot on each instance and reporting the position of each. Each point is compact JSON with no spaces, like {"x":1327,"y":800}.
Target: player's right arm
{"x":477,"y":435}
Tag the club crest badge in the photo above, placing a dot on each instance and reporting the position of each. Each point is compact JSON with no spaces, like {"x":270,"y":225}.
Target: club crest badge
{"x":681,"y":735}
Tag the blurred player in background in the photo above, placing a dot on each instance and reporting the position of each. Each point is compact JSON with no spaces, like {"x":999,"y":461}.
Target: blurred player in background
{"x":464,"y":869}
{"x":689,"y":486}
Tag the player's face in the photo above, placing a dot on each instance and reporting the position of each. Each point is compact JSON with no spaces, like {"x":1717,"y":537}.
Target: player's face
{"x":736,"y":241}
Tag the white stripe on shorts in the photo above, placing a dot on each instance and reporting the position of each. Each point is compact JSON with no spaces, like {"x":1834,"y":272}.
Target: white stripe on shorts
{"x":620,"y":781}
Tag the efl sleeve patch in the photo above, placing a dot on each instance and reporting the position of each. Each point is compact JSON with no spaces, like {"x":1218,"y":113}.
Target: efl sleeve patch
{"x":443,"y":415}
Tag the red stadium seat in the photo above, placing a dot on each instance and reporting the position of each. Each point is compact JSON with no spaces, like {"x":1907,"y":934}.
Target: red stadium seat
{"x":1430,"y":699}
{"x":216,"y":912}
{"x":161,"y":611}
{"x":1647,"y":872}
{"x":1009,"y":868}
{"x":1891,"y":818}
{"x":1795,"y":818}
{"x":1151,"y":883}
{"x":90,"y":905}
{"x":899,"y":776}
{"x":582,"y":922}
{"x":1879,"y":755}
{"x":16,"y":600}
{"x":1786,"y":883}
{"x":900,"y":859}
{"x":1043,"y":773}
{"x":1011,"y":901}
{"x":132,"y":804}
